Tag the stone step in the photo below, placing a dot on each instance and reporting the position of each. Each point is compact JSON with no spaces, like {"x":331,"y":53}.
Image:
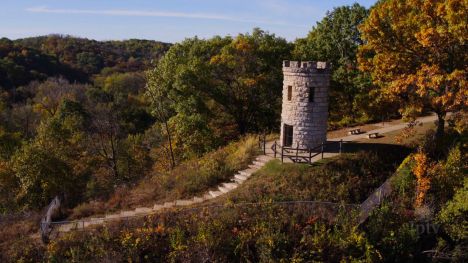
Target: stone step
{"x":264,"y":158}
{"x":247,"y":172}
{"x":259,"y":163}
{"x":168,"y":204}
{"x":197,"y":200}
{"x":215,"y":193}
{"x":254,"y":166}
{"x":183,"y":202}
{"x":223,"y":189}
{"x":112,"y":216}
{"x":207,"y":196}
{"x":238,"y":181}
{"x":143,"y":210}
{"x":230,"y":185}
{"x":127,"y":213}
{"x":157,"y":207}
{"x":240,"y":177}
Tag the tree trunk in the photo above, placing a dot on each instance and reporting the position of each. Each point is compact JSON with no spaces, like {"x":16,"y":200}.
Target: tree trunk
{"x":242,"y":127}
{"x":440,"y":125}
{"x":170,"y":145}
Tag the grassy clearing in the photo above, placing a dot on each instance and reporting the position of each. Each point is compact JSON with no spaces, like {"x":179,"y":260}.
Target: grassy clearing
{"x":191,"y":178}
{"x":348,"y":178}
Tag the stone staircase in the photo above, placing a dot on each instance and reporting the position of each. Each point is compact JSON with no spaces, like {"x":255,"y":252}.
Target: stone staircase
{"x":222,"y":189}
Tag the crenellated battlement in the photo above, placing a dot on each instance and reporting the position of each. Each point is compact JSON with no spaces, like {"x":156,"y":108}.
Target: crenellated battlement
{"x":298,"y":66}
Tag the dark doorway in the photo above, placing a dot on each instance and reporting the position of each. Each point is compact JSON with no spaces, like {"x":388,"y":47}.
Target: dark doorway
{"x":287,"y":135}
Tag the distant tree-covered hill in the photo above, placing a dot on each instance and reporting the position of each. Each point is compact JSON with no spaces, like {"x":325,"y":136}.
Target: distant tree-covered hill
{"x":77,"y":59}
{"x":20,"y":65}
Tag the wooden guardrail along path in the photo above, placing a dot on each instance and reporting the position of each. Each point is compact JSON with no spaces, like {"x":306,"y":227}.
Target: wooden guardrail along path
{"x":46,"y":221}
{"x":303,"y":155}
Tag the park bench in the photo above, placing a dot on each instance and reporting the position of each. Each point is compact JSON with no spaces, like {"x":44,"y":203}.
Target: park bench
{"x":354,"y":131}
{"x":373,"y":135}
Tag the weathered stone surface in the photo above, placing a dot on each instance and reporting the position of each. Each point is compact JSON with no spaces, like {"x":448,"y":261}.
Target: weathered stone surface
{"x":183,"y":202}
{"x":309,"y":119}
{"x":197,"y":200}
{"x":143,"y":210}
{"x":168,"y":204}
{"x":112,"y":216}
{"x":127,"y":213}
{"x":215,"y":193}
{"x":157,"y":207}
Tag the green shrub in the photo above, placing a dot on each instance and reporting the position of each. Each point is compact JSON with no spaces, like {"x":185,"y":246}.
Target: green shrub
{"x":404,"y":182}
{"x":454,"y":214}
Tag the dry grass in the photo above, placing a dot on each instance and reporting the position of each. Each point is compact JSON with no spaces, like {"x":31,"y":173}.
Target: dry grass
{"x":191,"y":178}
{"x":15,"y":237}
{"x":348,"y":178}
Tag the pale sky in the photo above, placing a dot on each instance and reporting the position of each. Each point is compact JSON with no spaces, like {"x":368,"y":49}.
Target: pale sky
{"x":163,"y":20}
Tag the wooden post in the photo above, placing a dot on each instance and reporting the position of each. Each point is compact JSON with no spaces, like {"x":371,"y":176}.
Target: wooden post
{"x":341,"y":145}
{"x":282,"y":149}
{"x":274,"y":149}
{"x":310,"y":156}
{"x":264,"y":143}
{"x":297,"y":151}
{"x":322,"y":150}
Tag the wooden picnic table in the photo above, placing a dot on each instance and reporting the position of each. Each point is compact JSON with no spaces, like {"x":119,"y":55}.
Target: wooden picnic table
{"x":354,"y":131}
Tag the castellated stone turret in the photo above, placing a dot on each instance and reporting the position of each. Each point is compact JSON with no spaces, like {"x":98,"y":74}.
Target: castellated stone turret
{"x":305,"y":103}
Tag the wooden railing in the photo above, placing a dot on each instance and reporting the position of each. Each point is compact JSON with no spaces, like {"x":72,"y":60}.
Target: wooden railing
{"x":262,"y":142}
{"x":297,"y":154}
{"x":303,"y":155}
{"x":46,"y":221}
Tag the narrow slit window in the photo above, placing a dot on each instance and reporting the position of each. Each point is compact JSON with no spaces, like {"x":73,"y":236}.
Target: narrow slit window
{"x":289,"y":92}
{"x":311,"y":94}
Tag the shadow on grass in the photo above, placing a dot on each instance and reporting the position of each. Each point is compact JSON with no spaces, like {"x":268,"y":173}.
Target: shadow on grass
{"x":354,"y":147}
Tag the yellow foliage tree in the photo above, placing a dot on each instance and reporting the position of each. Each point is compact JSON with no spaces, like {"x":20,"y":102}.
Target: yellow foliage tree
{"x":416,"y":51}
{"x":420,"y":170}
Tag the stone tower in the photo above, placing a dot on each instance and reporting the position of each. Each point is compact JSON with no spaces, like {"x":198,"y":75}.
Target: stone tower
{"x":305,"y":103}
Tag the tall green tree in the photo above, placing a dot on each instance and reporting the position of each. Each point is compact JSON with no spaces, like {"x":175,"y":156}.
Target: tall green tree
{"x":214,"y":90}
{"x":336,"y":39}
{"x":247,"y":79}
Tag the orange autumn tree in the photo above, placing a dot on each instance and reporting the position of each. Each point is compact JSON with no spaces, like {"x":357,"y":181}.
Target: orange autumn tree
{"x":423,"y":182}
{"x":416,"y":51}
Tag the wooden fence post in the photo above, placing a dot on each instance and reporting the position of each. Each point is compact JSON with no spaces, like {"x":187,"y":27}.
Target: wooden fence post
{"x":322,"y":150}
{"x":297,"y":151}
{"x":282,"y":149}
{"x":310,"y":156}
{"x":341,"y":145}
{"x":264,"y":143}
{"x":274,"y":149}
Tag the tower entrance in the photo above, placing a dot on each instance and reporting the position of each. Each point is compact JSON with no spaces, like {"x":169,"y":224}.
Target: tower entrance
{"x":288,"y":135}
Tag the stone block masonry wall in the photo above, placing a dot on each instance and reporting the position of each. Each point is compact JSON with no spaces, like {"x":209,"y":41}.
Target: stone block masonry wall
{"x":309,"y":119}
